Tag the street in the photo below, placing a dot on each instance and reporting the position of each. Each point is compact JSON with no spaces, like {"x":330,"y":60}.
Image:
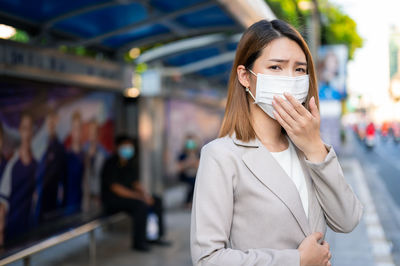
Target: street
{"x":381,"y":169}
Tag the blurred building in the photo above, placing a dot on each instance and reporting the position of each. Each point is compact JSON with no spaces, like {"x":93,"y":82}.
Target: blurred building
{"x":394,"y":61}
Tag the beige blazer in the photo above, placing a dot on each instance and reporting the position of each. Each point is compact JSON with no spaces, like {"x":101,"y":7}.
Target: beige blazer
{"x":247,"y":211}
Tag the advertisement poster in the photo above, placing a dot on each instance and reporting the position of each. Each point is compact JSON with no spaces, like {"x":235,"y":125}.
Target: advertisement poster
{"x":53,"y":142}
{"x":199,"y":121}
{"x":332,"y":71}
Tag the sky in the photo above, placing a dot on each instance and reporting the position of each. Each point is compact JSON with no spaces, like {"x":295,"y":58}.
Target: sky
{"x":368,"y":73}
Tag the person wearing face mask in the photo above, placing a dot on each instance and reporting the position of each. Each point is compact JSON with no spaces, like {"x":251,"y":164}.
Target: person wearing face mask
{"x":268,"y":187}
{"x":188,"y":162}
{"x":121,"y":190}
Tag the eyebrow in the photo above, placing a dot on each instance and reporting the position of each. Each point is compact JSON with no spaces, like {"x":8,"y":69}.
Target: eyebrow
{"x":285,"y":61}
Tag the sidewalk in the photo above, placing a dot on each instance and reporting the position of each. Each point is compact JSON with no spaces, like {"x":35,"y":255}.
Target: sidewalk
{"x":113,"y":244}
{"x":365,"y":246}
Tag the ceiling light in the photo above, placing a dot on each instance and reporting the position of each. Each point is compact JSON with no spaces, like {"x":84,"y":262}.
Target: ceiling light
{"x":134,"y":53}
{"x":132,"y":92}
{"x":6,"y":31}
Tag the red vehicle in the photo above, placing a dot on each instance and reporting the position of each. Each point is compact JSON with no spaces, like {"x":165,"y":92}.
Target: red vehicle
{"x":370,"y":135}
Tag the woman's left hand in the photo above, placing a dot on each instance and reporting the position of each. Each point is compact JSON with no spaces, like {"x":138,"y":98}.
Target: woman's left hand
{"x":301,"y":125}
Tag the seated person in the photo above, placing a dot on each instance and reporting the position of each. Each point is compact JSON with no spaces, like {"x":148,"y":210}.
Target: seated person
{"x":121,"y":190}
{"x":188,"y":162}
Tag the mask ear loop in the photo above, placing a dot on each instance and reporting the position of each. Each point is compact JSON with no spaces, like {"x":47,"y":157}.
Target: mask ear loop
{"x":248,"y":90}
{"x":251,"y":94}
{"x":251,"y":71}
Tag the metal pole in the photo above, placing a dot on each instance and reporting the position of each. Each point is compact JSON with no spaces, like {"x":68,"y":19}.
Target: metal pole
{"x":315,"y":30}
{"x":27,"y":261}
{"x":92,"y":248}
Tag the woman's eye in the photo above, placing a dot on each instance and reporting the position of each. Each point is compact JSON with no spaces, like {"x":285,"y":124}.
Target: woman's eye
{"x":302,"y":70}
{"x":274,"y":67}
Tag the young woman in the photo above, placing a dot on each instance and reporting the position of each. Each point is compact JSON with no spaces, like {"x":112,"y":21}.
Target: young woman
{"x":269,"y":186}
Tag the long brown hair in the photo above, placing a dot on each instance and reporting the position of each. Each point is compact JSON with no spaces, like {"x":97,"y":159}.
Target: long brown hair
{"x":237,"y":118}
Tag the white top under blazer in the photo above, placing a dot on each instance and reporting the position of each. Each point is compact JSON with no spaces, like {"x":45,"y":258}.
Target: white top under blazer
{"x":289,"y":161}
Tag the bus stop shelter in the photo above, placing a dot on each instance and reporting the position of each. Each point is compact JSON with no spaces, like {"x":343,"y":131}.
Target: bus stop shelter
{"x":114,"y":27}
{"x":195,"y":39}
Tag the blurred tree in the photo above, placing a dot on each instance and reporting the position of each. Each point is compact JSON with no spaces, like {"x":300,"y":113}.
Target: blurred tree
{"x":20,"y":36}
{"x":289,"y":11}
{"x":141,"y":67}
{"x":80,"y":50}
{"x":336,"y":27}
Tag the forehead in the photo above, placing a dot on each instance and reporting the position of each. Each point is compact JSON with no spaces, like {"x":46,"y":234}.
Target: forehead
{"x":283,"y":48}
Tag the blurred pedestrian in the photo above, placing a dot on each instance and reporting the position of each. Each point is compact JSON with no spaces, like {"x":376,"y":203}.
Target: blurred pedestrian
{"x":123,"y":191}
{"x":396,"y":131}
{"x":75,"y":167}
{"x":188,"y":162}
{"x":268,"y":186}
{"x":95,"y":156}
{"x":18,"y":186}
{"x":51,"y":174}
{"x":385,"y":130}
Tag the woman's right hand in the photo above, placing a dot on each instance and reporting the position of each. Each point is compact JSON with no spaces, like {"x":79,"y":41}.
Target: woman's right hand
{"x":313,"y":253}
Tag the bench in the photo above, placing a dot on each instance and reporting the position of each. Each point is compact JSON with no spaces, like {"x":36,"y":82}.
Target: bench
{"x":38,"y":241}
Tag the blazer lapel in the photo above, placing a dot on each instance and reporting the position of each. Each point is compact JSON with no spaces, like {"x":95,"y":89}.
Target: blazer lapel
{"x":270,"y":173}
{"x":313,"y":205}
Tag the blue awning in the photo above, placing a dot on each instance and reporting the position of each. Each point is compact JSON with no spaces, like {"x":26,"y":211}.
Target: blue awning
{"x":120,"y":24}
{"x":115,"y":26}
{"x":218,"y":71}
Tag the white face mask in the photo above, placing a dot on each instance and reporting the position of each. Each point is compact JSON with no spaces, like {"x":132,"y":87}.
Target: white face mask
{"x":269,"y":86}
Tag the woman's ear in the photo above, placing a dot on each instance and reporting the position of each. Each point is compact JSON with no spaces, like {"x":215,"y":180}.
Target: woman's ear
{"x":243,"y":76}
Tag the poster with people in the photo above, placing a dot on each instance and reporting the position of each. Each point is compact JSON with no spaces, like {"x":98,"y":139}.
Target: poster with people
{"x":53,"y":142}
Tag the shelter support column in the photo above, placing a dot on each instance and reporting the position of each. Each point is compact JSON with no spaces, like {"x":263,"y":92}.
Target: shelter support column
{"x":151,"y":142}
